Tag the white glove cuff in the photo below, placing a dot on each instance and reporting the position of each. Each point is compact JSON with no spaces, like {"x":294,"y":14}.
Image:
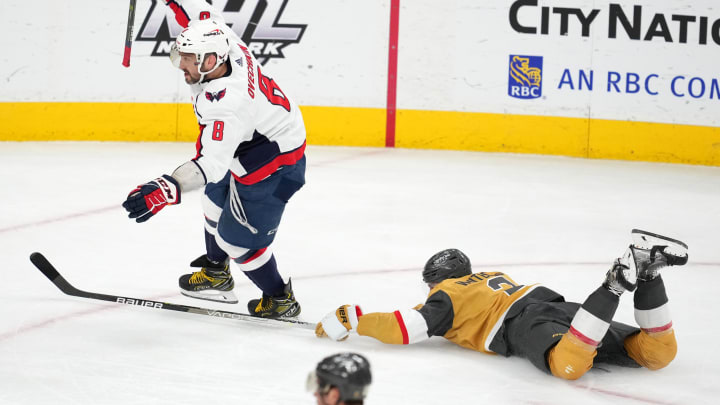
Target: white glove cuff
{"x":353,"y":316}
{"x":333,"y":327}
{"x":169,"y":186}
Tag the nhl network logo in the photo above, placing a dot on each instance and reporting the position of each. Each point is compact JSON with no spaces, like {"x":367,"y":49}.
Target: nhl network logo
{"x":525,"y":76}
{"x":254,"y":21}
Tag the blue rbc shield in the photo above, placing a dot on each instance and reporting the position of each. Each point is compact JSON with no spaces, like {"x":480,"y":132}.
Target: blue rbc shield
{"x":525,"y":76}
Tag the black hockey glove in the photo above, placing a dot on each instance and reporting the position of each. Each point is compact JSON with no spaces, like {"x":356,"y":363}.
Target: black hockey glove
{"x":149,"y":198}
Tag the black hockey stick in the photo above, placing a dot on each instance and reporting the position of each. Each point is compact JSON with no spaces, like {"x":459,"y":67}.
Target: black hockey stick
{"x":51,"y":273}
{"x":129,"y":34}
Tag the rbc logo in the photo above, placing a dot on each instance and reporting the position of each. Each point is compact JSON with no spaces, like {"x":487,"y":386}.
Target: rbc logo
{"x":525,"y":76}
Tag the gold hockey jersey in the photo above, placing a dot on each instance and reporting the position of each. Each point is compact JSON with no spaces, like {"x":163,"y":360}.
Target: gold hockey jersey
{"x":468,"y":311}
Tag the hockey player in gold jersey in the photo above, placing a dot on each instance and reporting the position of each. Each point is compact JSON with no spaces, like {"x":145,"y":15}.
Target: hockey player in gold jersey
{"x":492,"y":313}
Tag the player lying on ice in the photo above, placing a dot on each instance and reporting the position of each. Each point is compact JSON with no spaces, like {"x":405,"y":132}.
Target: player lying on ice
{"x":491,"y":313}
{"x":249,"y":160}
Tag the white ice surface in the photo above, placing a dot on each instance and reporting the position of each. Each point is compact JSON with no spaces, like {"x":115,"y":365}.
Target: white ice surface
{"x":359,"y":232}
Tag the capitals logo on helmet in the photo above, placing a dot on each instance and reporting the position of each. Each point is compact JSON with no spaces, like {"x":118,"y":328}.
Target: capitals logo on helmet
{"x":213,"y":32}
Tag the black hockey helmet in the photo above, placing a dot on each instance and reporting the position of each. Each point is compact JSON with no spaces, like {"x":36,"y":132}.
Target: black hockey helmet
{"x":449,"y":263}
{"x":348,"y":372}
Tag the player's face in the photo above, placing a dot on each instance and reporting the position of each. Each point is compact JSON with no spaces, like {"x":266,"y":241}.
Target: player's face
{"x":189,"y":66}
{"x":329,"y":398}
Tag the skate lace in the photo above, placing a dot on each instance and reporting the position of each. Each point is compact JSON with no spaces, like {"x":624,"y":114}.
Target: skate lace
{"x":199,"y":277}
{"x":266,"y":303}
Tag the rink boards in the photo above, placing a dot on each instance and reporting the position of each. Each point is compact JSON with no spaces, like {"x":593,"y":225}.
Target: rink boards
{"x":616,"y":80}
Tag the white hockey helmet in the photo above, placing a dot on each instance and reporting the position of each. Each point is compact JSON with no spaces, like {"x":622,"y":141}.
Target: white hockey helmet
{"x":202,"y":37}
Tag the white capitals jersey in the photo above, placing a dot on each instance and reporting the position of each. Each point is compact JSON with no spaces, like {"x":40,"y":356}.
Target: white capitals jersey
{"x":248,"y":125}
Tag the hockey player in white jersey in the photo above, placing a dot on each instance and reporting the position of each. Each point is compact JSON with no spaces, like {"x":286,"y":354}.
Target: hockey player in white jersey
{"x":250,"y":159}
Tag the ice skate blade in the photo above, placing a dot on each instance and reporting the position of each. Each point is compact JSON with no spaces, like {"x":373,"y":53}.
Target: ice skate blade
{"x":226,"y":297}
{"x":646,"y":240}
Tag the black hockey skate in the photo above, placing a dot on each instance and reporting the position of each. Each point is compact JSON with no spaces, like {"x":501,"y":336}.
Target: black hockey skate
{"x":652,"y":252}
{"x":621,"y":277}
{"x":282,"y":306}
{"x":213,"y":282}
{"x":643,"y":259}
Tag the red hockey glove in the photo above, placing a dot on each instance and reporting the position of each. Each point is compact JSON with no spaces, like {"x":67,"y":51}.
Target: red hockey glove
{"x":149,"y":198}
